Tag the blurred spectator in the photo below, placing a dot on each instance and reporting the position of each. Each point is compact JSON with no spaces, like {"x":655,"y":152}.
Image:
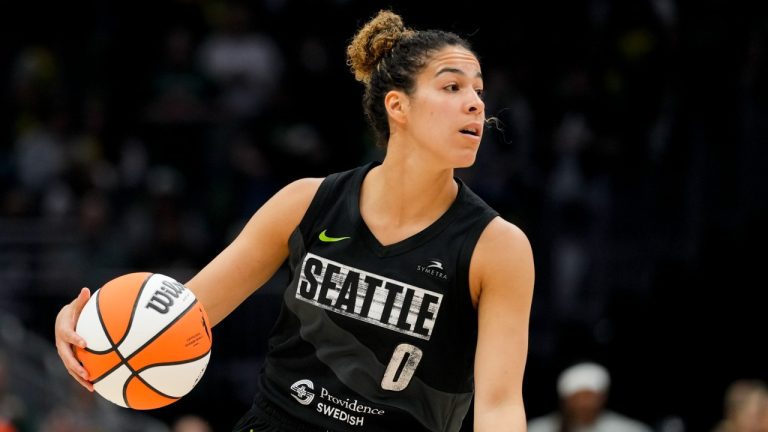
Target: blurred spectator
{"x":40,"y":153}
{"x":63,"y":419}
{"x":34,"y":82}
{"x":180,"y":90}
{"x":583,"y":391}
{"x":245,"y":65}
{"x":746,"y":407}
{"x":13,"y":413}
{"x":191,"y":423}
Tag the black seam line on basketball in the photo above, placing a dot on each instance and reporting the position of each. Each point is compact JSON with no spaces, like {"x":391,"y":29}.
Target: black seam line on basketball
{"x":194,"y":359}
{"x":150,"y":386}
{"x":103,"y":328}
{"x":130,"y":320}
{"x":125,"y":389}
{"x":135,"y":373}
{"x":109,"y":337}
{"x":124,"y":360}
{"x":135,"y":305}
{"x":114,"y":347}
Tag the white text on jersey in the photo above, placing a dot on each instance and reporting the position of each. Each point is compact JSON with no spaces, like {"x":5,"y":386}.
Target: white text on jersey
{"x":368,"y":297}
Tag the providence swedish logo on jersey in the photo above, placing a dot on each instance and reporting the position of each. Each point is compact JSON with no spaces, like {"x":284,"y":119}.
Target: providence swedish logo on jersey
{"x":368,"y":297}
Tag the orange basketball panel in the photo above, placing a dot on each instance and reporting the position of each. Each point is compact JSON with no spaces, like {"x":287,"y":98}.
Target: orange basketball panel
{"x":186,"y":339}
{"x":116,"y":300}
{"x":97,"y":364}
{"x":139,"y":396}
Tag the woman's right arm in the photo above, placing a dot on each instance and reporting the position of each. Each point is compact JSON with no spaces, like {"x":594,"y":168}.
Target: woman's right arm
{"x":239,"y":270}
{"x":256,"y":254}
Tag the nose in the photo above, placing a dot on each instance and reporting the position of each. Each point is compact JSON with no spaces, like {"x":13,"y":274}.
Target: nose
{"x":476,"y":104}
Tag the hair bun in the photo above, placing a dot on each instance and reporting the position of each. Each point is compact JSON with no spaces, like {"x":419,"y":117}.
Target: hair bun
{"x":373,"y":41}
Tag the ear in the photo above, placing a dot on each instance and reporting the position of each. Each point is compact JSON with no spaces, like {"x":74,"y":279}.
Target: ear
{"x":397,"y":103}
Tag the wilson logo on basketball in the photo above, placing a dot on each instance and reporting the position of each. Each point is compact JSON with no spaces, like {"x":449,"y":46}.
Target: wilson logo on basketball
{"x":163,"y":298}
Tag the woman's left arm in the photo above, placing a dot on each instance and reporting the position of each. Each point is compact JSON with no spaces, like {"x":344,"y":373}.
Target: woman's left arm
{"x":501,"y":277}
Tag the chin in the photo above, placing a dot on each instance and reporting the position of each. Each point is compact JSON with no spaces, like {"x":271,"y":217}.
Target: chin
{"x":465,"y":161}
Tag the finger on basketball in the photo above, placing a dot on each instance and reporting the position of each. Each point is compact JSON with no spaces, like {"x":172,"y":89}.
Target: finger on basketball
{"x":79,"y":303}
{"x":88,"y":386}
{"x":65,"y":331}
{"x":70,"y":361}
{"x":71,"y":337}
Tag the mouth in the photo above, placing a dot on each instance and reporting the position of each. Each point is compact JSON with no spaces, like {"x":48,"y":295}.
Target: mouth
{"x":471,"y":130}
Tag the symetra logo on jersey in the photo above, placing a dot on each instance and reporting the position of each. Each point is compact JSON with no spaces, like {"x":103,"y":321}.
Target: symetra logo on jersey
{"x":368,"y":297}
{"x":434,"y":268}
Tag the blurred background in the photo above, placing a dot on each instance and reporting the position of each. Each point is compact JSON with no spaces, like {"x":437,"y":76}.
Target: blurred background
{"x":632,"y":148}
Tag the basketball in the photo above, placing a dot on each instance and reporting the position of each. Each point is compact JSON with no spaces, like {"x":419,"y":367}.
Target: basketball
{"x":148,"y":340}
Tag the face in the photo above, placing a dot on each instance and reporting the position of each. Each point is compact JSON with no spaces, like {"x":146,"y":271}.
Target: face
{"x":445,"y":114}
{"x":583,"y":407}
{"x":751,"y":415}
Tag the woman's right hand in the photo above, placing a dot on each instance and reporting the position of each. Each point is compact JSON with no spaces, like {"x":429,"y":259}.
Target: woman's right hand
{"x":66,"y":337}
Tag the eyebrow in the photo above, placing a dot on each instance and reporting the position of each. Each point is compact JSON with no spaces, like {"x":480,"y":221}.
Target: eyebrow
{"x":456,"y":71}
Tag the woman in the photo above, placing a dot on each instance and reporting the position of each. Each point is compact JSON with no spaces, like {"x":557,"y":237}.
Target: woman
{"x":408,"y":294}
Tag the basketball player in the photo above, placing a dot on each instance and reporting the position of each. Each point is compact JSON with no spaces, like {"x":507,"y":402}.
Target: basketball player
{"x":407,"y":294}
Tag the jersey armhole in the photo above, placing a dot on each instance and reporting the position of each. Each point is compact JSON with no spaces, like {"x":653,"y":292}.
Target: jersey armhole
{"x":465,"y":254}
{"x":317,"y":204}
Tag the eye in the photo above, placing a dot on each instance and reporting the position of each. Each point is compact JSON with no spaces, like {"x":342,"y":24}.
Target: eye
{"x":480,"y":93}
{"x":453,"y":87}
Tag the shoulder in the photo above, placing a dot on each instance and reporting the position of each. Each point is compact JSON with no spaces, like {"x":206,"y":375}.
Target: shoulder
{"x":502,"y":260}
{"x":503,"y":243}
{"x":305,"y":189}
{"x":286,"y":207}
{"x":298,"y":193}
{"x":503,"y":236}
{"x":296,"y":197}
{"x":306,"y":186}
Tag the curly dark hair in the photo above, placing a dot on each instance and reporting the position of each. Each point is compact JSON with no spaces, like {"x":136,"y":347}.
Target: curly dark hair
{"x":385,"y":55}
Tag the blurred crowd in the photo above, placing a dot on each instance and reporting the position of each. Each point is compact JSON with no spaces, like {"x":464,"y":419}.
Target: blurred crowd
{"x":630,"y":144}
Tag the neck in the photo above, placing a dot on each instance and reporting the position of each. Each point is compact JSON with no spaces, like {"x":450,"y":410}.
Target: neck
{"x":404,"y":190}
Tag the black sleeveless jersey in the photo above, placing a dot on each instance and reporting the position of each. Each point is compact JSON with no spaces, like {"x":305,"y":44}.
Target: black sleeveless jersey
{"x":373,"y":337}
